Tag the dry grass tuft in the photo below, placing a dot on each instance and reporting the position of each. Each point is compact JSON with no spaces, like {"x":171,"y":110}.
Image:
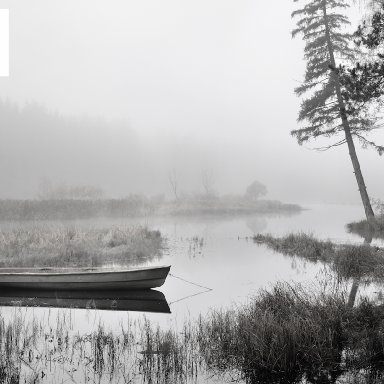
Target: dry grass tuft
{"x":50,"y":246}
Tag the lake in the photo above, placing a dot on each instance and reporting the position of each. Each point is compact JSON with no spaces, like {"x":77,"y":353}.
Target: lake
{"x":214,"y":265}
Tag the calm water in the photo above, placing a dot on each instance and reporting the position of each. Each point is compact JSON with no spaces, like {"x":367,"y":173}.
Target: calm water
{"x":217,"y":253}
{"x":219,"y":258}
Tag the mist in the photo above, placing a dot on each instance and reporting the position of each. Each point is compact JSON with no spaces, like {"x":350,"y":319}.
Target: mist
{"x":119,"y":94}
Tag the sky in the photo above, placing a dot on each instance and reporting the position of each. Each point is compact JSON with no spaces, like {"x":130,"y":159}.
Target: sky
{"x":201,"y":86}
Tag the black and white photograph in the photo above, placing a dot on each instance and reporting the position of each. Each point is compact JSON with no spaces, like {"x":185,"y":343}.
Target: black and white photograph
{"x":191,"y":192}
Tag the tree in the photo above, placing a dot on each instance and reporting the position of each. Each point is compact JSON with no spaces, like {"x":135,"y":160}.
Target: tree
{"x":321,"y":24}
{"x":255,"y":190}
{"x":208,"y":181}
{"x":364,"y":82}
{"x":173,"y":178}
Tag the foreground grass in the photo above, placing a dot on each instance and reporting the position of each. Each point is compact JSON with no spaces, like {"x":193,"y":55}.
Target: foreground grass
{"x":50,"y":246}
{"x":285,"y":335}
{"x":288,"y":335}
{"x":347,"y":260}
{"x":138,"y":352}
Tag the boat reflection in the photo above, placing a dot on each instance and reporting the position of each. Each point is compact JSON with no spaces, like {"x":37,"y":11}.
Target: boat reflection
{"x":129,"y":300}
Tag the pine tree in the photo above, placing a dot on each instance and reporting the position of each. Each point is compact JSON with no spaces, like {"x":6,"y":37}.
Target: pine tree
{"x":321,"y":24}
{"x":364,"y":82}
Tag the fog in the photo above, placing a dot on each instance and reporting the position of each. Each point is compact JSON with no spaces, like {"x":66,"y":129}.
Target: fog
{"x":119,"y":94}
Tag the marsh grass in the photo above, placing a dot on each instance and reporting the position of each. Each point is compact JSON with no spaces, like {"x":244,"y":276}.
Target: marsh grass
{"x":169,"y":355}
{"x":280,"y":336}
{"x":196,"y":245}
{"x":288,"y":334}
{"x":292,"y":335}
{"x":373,"y":228}
{"x":356,"y":261}
{"x":10,"y":349}
{"x":301,"y":244}
{"x":50,"y":246}
{"x":137,"y":353}
{"x":368,"y":229}
{"x":347,"y":261}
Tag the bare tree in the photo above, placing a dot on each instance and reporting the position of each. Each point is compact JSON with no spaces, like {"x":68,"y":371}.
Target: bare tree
{"x":207,"y":180}
{"x":174,"y":178}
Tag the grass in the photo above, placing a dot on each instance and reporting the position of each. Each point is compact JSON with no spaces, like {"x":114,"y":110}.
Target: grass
{"x":368,"y":229}
{"x":288,"y":334}
{"x":138,"y":352}
{"x":56,"y":246}
{"x":301,"y":244}
{"x":359,"y":261}
{"x":283,"y":334}
{"x":10,"y":350}
{"x":348,"y":261}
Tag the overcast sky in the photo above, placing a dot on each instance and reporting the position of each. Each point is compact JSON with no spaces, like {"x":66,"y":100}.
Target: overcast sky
{"x":205,"y":84}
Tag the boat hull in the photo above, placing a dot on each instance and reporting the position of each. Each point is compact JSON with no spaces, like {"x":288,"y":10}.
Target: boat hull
{"x":83,"y":278}
{"x":121,"y":300}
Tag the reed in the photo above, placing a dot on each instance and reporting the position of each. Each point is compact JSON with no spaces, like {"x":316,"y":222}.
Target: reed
{"x":373,"y":228}
{"x":282,"y":334}
{"x":300,"y":244}
{"x":288,"y":334}
{"x":348,"y":261}
{"x":57,"y":246}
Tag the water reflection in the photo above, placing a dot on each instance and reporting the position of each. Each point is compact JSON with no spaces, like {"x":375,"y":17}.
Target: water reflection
{"x":256,"y":224}
{"x":130,"y":300}
{"x":366,"y":231}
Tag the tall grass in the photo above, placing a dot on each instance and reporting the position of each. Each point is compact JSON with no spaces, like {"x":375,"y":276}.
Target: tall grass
{"x":347,"y":261}
{"x":300,"y":244}
{"x":372,"y":228}
{"x":368,"y":229}
{"x":137,"y":353}
{"x":288,"y":334}
{"x":280,"y":336}
{"x":56,"y":246}
{"x":10,"y":350}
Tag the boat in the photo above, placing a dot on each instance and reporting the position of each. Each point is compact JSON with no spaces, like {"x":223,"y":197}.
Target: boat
{"x":148,"y":300}
{"x":83,"y":278}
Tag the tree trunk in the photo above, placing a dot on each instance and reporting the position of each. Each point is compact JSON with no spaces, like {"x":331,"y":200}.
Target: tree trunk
{"x":344,"y":119}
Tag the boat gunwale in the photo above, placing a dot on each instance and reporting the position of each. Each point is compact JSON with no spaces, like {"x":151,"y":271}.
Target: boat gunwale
{"x":43,"y":271}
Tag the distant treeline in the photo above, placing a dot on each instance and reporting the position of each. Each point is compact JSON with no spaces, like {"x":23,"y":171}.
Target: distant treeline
{"x":134,"y":206}
{"x":228,"y":206}
{"x":74,"y":209}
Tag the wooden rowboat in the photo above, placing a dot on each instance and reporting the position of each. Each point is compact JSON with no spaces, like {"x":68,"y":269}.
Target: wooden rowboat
{"x":114,"y":300}
{"x":83,"y":278}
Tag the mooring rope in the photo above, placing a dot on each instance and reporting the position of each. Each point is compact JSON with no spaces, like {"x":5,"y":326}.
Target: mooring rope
{"x":190,"y":282}
{"x":206,"y":289}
